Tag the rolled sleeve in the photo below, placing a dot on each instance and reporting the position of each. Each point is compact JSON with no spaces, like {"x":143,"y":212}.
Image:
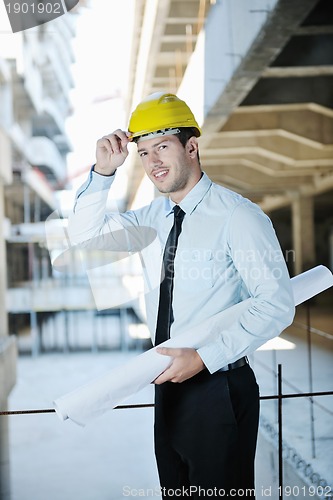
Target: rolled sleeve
{"x":258,"y":259}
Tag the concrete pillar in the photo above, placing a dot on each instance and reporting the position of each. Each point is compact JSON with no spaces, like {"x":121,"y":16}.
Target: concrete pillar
{"x":303,"y":233}
{"x":7,"y":364}
{"x":7,"y":381}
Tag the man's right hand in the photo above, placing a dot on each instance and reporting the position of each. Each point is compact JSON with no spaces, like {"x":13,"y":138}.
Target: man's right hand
{"x":111,"y":152}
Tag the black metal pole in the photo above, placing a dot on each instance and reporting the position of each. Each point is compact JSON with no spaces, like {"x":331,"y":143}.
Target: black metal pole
{"x":312,"y":429}
{"x":280,"y":431}
{"x":151,"y":405}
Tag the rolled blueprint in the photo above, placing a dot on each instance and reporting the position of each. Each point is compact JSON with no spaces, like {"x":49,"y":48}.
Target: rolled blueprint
{"x":108,"y":391}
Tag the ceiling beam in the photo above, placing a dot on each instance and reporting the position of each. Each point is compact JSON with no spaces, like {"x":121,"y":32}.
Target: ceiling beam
{"x":241,"y":171}
{"x":179,"y":38}
{"x":320,"y":185}
{"x":320,"y":159}
{"x":259,"y":137}
{"x":171,"y":58}
{"x":297,"y":71}
{"x":253,"y":162}
{"x":314,"y":30}
{"x":278,"y":29}
{"x":277,"y":172}
{"x":181,"y":20}
{"x":286,"y":108}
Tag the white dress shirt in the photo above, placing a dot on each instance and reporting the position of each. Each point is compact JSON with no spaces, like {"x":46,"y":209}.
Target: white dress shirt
{"x":227,"y":252}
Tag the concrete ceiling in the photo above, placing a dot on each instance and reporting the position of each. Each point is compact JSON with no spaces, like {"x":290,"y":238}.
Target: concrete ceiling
{"x":270,"y":134}
{"x":166,"y":49}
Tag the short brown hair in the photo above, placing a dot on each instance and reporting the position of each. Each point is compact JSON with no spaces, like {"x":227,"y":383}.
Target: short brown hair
{"x":185,"y":134}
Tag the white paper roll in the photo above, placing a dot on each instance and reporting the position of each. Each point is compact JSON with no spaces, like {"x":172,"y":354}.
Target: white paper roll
{"x":108,"y":391}
{"x":311,"y":283}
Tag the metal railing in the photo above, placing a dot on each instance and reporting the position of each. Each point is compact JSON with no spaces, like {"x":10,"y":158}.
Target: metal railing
{"x":284,"y":450}
{"x":321,"y":487}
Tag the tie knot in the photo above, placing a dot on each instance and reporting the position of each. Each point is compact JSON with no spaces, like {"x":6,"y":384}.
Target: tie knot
{"x":179,"y":213}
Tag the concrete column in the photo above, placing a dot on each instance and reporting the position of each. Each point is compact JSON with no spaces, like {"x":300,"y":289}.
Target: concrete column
{"x":7,"y":381}
{"x":303,"y":233}
{"x":7,"y":364}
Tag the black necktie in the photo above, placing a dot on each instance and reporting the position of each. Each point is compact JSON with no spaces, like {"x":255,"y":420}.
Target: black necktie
{"x":165,"y":314}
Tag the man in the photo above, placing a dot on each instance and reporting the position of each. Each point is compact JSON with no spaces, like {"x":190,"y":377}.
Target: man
{"x":219,"y":248}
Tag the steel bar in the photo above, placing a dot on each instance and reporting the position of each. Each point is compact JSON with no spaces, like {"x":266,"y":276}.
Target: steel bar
{"x":151,"y":405}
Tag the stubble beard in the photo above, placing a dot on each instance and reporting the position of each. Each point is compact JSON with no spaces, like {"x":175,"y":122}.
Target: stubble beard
{"x":178,"y":184}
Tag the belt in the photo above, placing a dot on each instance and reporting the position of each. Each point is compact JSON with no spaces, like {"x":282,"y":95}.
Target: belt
{"x":237,"y":364}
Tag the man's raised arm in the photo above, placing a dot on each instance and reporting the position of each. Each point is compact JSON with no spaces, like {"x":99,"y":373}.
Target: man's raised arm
{"x":88,"y":219}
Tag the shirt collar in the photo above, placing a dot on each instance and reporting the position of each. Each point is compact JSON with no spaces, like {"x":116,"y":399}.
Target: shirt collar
{"x":193,"y":198}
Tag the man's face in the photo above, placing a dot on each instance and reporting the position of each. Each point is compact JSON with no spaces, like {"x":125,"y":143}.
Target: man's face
{"x":171,"y":167}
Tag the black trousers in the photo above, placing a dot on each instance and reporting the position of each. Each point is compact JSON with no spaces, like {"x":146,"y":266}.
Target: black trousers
{"x":206,"y":433}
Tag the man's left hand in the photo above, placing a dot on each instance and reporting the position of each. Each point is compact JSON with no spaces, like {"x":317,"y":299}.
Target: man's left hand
{"x":185,"y":364}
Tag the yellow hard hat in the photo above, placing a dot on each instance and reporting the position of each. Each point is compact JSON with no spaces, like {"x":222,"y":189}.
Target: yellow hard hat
{"x":161,"y":114}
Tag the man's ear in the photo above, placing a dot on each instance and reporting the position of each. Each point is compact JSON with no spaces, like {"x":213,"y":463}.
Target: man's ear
{"x":192,"y":146}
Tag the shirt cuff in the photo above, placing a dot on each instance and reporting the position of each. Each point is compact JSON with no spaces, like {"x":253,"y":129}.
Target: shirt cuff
{"x":102,"y":175}
{"x":107,"y":178}
{"x":95,"y":183}
{"x":212,"y":356}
